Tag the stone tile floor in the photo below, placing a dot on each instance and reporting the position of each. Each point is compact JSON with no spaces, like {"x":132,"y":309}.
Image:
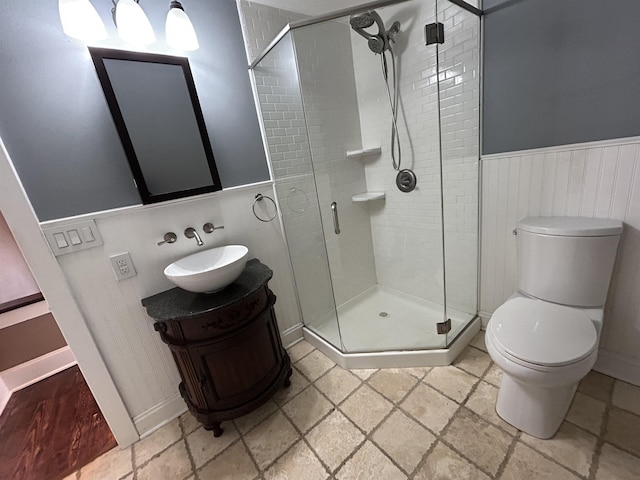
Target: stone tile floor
{"x":418,"y":423}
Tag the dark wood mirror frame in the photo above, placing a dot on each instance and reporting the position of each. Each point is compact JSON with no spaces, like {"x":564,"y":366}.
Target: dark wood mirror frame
{"x":98,"y":56}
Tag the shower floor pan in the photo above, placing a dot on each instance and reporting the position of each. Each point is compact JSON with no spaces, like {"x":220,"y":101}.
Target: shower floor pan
{"x":384,"y":328}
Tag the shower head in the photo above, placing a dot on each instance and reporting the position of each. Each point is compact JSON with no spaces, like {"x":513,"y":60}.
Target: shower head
{"x":363,"y":20}
{"x":377,"y":42}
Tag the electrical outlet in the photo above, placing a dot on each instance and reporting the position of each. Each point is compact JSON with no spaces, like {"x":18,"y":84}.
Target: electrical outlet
{"x":122,"y":266}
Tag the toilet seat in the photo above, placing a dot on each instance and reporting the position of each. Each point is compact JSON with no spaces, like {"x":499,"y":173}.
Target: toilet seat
{"x":537,"y":333}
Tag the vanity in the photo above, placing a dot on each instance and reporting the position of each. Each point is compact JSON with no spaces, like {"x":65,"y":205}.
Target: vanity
{"x":226,"y":345}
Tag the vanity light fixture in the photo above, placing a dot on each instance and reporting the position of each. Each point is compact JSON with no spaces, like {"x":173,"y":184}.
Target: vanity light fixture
{"x":80,"y":20}
{"x":132,"y":23}
{"x":179,"y":29}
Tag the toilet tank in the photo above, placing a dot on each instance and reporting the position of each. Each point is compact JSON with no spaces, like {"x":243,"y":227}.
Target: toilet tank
{"x":567,"y":260}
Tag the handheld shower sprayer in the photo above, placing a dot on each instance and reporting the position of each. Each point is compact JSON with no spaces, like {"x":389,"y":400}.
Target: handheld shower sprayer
{"x":381,"y":43}
{"x":378,"y":42}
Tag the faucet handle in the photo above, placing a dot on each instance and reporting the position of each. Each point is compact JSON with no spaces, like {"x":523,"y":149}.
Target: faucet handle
{"x":169,"y":237}
{"x":209,"y":228}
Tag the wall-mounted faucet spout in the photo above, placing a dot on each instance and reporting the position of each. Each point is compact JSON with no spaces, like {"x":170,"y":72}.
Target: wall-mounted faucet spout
{"x":191,"y":233}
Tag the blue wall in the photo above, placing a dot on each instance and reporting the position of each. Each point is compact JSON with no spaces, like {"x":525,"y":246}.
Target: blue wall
{"x":560,"y":72}
{"x":56,"y":125}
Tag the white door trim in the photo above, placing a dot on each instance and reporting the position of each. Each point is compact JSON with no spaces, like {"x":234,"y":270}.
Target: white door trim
{"x":24,"y":225}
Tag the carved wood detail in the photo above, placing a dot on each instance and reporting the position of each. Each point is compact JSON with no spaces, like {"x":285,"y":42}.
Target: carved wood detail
{"x":231,"y":361}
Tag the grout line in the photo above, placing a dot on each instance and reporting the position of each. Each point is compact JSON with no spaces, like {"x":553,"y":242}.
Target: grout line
{"x":462,"y":405}
{"x":396,"y":407}
{"x":595,"y":458}
{"x":186,"y":445}
{"x":248,"y":450}
{"x":301,"y":435}
{"x":507,"y":457}
{"x":156,"y":455}
{"x":550,"y":458}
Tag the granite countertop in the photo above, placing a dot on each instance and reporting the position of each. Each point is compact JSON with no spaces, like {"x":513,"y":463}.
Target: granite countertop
{"x":178,"y":303}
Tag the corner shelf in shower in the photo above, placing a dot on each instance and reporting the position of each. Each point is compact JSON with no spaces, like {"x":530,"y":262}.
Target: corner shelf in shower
{"x":363,"y":152}
{"x":368,"y":196}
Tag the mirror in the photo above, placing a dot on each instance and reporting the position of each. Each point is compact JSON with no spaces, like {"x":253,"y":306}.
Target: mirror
{"x":155,"y":108}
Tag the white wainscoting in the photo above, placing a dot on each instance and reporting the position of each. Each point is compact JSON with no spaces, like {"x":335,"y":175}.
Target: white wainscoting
{"x":140,"y":364}
{"x":596,"y":179}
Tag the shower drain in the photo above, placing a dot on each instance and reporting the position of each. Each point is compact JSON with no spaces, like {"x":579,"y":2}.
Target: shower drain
{"x":383,"y":314}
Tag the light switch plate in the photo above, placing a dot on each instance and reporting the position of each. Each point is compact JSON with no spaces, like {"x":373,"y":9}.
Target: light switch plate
{"x":77,"y":236}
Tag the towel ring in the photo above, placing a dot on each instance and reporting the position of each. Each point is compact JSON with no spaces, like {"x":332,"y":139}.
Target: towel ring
{"x":259,"y":198}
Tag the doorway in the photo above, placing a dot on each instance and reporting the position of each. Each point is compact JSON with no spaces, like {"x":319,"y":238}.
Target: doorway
{"x":51,"y":424}
{"x":25,"y":227}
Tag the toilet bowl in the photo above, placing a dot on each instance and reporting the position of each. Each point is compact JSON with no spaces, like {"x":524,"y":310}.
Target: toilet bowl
{"x":545,"y":337}
{"x":544,"y":350}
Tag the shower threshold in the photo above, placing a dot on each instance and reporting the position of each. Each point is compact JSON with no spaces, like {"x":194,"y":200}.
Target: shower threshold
{"x":384,"y":328}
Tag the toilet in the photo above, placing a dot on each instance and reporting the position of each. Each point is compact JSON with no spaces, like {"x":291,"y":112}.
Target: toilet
{"x":545,"y":337}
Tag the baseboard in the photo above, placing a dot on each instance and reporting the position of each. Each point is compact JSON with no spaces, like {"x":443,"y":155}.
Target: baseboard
{"x":5,"y":394}
{"x":148,"y":422}
{"x":484,"y":316}
{"x":618,"y":366}
{"x":292,"y":335}
{"x":23,"y":314}
{"x":28,"y":373}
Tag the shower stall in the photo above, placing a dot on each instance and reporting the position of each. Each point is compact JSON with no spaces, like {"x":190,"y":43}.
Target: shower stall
{"x":371,"y":117}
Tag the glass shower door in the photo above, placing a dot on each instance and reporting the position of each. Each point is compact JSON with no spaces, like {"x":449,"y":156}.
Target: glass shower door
{"x":278,"y":90}
{"x":386,"y":257}
{"x":459,"y":99}
{"x":378,"y":265}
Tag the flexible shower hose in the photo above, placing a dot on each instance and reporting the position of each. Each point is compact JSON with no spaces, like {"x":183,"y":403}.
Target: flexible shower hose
{"x":396,"y":152}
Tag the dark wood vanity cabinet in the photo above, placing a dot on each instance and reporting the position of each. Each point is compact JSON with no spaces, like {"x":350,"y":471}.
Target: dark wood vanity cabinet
{"x":226,"y":345}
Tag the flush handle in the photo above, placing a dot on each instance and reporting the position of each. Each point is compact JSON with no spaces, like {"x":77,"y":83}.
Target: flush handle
{"x":336,"y":222}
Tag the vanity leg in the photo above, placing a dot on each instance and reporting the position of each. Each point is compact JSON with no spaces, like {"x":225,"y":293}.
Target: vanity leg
{"x":215,"y":426}
{"x":287,"y":382}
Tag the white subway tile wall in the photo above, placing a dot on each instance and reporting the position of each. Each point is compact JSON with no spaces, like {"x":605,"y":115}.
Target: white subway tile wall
{"x":407,"y":231}
{"x":261,"y":24}
{"x":330,"y":102}
{"x":346,"y":108}
{"x":280,"y":100}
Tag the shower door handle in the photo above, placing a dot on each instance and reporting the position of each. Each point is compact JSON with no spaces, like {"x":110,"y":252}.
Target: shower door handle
{"x":336,"y":222}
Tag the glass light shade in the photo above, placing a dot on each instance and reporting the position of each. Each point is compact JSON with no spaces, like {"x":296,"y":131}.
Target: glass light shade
{"x":81,"y":20}
{"x":133,"y":25}
{"x":180,"y":32}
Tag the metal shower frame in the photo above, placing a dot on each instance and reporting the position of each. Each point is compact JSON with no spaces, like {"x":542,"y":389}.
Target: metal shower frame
{"x":344,"y":13}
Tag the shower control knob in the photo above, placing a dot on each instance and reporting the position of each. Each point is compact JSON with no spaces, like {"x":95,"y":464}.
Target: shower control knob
{"x":406,"y":180}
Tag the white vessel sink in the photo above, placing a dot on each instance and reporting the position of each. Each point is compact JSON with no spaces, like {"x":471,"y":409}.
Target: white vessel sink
{"x":210,"y":270}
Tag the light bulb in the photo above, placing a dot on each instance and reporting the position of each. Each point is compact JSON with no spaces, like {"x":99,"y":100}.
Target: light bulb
{"x":133,"y":25}
{"x":179,"y":29}
{"x":81,"y":20}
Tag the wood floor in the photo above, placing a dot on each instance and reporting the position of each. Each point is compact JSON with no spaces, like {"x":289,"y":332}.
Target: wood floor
{"x":51,"y":429}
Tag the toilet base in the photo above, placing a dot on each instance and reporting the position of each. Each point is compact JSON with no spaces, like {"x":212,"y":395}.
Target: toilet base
{"x":534,"y":410}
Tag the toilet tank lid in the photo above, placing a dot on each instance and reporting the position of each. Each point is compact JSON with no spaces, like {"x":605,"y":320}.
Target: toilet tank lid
{"x":571,"y":226}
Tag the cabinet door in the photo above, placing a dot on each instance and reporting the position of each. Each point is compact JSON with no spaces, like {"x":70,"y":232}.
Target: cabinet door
{"x":241,"y":366}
